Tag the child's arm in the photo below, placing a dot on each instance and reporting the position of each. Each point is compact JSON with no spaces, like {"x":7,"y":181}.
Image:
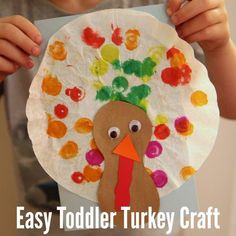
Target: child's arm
{"x":19,"y":39}
{"x":206,"y":22}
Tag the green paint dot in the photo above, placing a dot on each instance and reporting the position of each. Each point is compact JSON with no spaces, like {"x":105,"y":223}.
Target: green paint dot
{"x":104,"y":94}
{"x":148,"y":67}
{"x":120,"y":84}
{"x":132,"y":66}
{"x":141,"y":91}
{"x":117,"y":65}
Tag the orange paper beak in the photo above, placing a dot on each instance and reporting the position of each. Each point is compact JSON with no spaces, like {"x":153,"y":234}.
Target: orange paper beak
{"x":126,"y":149}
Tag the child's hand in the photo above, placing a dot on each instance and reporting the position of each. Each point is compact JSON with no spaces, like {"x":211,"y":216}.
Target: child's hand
{"x":202,"y":21}
{"x":19,"y":39}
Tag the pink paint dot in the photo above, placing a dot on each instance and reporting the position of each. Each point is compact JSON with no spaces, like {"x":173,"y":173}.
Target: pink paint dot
{"x":160,"y":178}
{"x":94,"y":157}
{"x":154,"y":149}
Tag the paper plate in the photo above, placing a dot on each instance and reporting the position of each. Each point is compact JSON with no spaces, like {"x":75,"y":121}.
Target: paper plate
{"x":130,"y":56}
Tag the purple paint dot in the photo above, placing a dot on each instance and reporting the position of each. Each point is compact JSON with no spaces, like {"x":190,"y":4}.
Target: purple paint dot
{"x":94,"y":157}
{"x":160,"y":178}
{"x":154,"y":149}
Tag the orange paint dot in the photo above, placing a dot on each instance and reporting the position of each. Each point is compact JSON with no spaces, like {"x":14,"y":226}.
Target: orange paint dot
{"x":186,"y":172}
{"x":199,"y":98}
{"x":83,"y":125}
{"x":56,"y":129}
{"x":57,"y":51}
{"x":92,"y":173}
{"x":51,"y":85}
{"x":132,"y":39}
{"x":69,"y":150}
{"x":93,"y":144}
{"x":178,"y":60}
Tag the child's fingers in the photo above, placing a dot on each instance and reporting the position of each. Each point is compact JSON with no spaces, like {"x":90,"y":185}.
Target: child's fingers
{"x":193,"y":9}
{"x":26,"y":26}
{"x":7,"y":66}
{"x":17,"y":37}
{"x":211,"y":33}
{"x":201,"y":22}
{"x":14,"y":54}
{"x":173,"y":6}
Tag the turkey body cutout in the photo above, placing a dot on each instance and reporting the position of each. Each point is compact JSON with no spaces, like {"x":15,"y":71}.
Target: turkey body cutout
{"x":122,"y":132}
{"x":106,"y":73}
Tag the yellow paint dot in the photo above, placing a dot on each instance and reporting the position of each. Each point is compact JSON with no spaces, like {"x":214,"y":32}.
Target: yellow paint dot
{"x":69,"y":150}
{"x":177,"y":60}
{"x":83,"y":125}
{"x":92,"y":173}
{"x":146,"y":78}
{"x":199,"y":98}
{"x":157,"y":53}
{"x":51,"y":85}
{"x":93,"y":144}
{"x":97,"y":84}
{"x":56,"y":129}
{"x":144,"y":103}
{"x":161,"y":119}
{"x":99,"y":67}
{"x":110,"y":53}
{"x":186,"y":172}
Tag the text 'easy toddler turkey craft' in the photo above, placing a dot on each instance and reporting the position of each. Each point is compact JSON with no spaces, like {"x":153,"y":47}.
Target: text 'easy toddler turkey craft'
{"x":120,"y":112}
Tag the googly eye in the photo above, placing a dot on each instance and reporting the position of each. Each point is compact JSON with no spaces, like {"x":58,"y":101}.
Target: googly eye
{"x":114,"y":132}
{"x":135,"y":126}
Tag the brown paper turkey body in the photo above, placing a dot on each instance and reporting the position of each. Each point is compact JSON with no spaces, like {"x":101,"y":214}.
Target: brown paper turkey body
{"x":120,"y":112}
{"x":123,"y":139}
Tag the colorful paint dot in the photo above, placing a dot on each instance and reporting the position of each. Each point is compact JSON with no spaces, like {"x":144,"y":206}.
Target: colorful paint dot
{"x":120,"y":84}
{"x":93,"y":144}
{"x":162,"y":131}
{"x":110,"y":53}
{"x":116,"y":36}
{"x":76,"y":93}
{"x":160,"y":178}
{"x":177,"y":60}
{"x":94,"y":157}
{"x":77,"y":177}
{"x":56,"y":129}
{"x":57,"y":51}
{"x":154,"y":149}
{"x":99,"y":67}
{"x":51,"y":85}
{"x":199,"y":98}
{"x":92,"y":38}
{"x":161,"y":119}
{"x":83,"y":125}
{"x":157,"y":53}
{"x":61,"y":111}
{"x":171,"y":52}
{"x":183,"y":126}
{"x":132,"y":39}
{"x":92,"y":173}
{"x":186,"y":172}
{"x":171,"y":76}
{"x":69,"y":150}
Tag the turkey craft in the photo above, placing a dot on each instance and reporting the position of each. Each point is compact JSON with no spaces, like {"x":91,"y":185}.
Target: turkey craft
{"x":120,"y":112}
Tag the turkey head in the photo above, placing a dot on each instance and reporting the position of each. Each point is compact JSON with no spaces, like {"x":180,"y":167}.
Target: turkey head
{"x":122,"y":132}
